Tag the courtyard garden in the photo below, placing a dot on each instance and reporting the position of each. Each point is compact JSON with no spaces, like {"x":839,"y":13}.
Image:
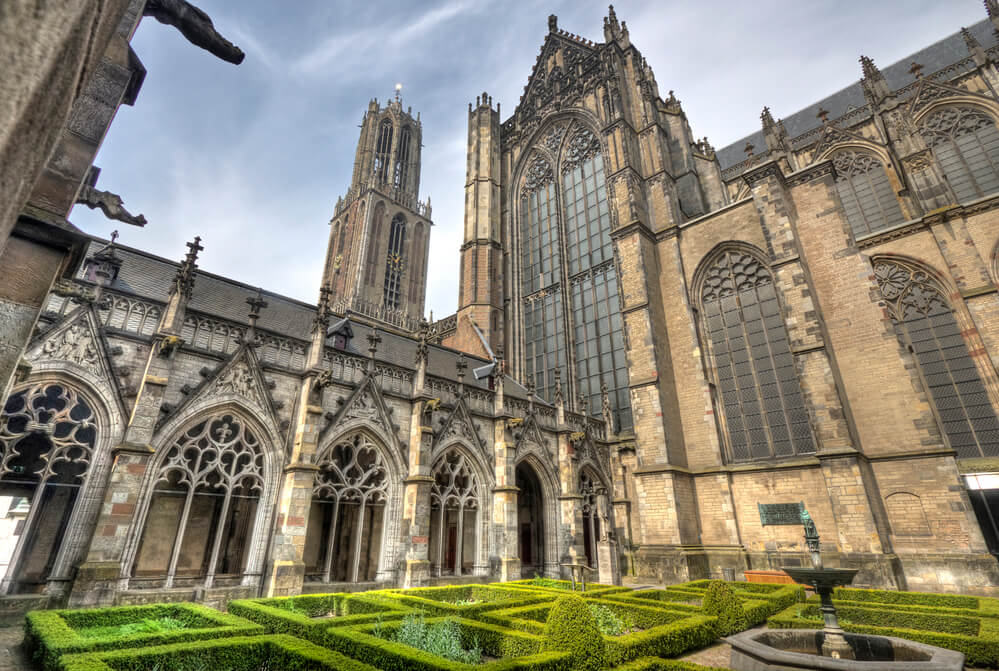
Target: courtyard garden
{"x":529,"y":625}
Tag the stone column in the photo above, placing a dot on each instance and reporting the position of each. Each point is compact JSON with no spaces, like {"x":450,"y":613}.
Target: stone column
{"x":505,"y":492}
{"x":416,"y":499}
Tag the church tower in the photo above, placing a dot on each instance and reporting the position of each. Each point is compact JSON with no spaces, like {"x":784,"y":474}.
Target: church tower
{"x":376,"y":262}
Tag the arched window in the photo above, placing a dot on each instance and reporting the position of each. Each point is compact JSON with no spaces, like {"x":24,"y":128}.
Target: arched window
{"x":454,"y":507}
{"x":47,"y":434}
{"x":344,"y":539}
{"x":374,"y":244}
{"x":966,"y":145}
{"x":572,"y":274}
{"x":204,"y":506}
{"x":419,"y":260}
{"x":591,"y":517}
{"x":764,"y":408}
{"x":383,"y":150}
{"x":402,"y":158}
{"x":394,"y":263}
{"x":866,"y":193}
{"x":925,"y":324}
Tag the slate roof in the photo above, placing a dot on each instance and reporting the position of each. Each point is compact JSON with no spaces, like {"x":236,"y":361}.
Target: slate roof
{"x":933,"y":58}
{"x":149,"y":276}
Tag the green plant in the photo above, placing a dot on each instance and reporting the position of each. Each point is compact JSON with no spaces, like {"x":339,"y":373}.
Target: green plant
{"x":609,"y":622}
{"x":720,"y":600}
{"x":572,"y":627}
{"x":441,"y":638}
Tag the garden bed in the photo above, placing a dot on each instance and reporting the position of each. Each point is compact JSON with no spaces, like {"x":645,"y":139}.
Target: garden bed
{"x":50,"y":634}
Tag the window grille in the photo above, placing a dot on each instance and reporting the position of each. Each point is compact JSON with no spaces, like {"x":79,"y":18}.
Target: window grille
{"x":866,"y":193}
{"x":394,"y":263}
{"x":925,"y":324}
{"x":402,"y":161}
{"x":383,"y":149}
{"x":966,"y":145}
{"x":761,"y":396}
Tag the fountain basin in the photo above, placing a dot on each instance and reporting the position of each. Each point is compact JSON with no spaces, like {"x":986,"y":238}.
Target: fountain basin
{"x":821,"y":577}
{"x":795,"y":649}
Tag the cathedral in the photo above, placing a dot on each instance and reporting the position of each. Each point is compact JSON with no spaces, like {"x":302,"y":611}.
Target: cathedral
{"x":663,"y":354}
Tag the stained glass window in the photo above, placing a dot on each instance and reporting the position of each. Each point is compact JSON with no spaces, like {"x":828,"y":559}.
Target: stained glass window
{"x":966,"y":144}
{"x":866,"y":192}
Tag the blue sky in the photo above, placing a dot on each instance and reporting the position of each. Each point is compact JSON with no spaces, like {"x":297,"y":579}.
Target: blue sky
{"x":253,"y":157}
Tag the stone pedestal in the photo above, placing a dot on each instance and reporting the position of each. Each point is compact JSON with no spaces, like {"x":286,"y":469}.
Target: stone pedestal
{"x":509,"y":569}
{"x":608,"y":563}
{"x":417,"y":573}
{"x":285,"y":577}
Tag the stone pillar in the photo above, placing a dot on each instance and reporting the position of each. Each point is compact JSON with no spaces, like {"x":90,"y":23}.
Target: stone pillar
{"x":505,"y":498}
{"x":608,"y":562}
{"x":416,"y":499}
{"x":103,"y":572}
{"x":286,"y":571}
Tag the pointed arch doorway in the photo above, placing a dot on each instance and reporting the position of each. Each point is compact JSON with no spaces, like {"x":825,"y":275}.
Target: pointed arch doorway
{"x":530,"y":521}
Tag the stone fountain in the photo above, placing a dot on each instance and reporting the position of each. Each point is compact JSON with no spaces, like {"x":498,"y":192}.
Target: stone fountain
{"x":831,"y":648}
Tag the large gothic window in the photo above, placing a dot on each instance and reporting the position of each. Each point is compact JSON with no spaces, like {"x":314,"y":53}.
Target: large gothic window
{"x":866,"y":192}
{"x":47,"y":436}
{"x":454,"y":507}
{"x":567,"y":270}
{"x":343,"y":542}
{"x":764,"y":408}
{"x":204,"y":506}
{"x":377,"y":218}
{"x":966,"y":144}
{"x":402,"y":160}
{"x":383,"y":151}
{"x":926,"y":325}
{"x":394,"y":263}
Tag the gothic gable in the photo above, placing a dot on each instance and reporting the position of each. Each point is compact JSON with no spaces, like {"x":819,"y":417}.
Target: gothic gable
{"x":77,"y":344}
{"x":239,"y":379}
{"x":459,"y":426}
{"x":367,"y":406}
{"x":555,"y":72}
{"x":930,"y":91}
{"x":529,"y":433}
{"x":833,"y":135}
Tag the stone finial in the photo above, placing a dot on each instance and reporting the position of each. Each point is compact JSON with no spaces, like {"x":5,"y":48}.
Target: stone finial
{"x":460,"y":366}
{"x":322,"y":318}
{"x":605,"y":410}
{"x":916,"y":70}
{"x":557,"y":394}
{"x":823,"y":114}
{"x":749,"y":148}
{"x":992,"y":8}
{"x":974,"y":48}
{"x":183,"y":282}
{"x":373,"y":340}
{"x":530,"y":386}
{"x":256,"y":303}
{"x":873,"y":82}
{"x":767,"y":118}
{"x":421,"y":342}
{"x":583,"y":409}
{"x":552,"y":23}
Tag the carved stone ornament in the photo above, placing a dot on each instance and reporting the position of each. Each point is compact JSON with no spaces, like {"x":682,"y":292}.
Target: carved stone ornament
{"x":166,"y":346}
{"x":75,"y":344}
{"x":237,"y":380}
{"x":455,"y":484}
{"x":553,"y":139}
{"x":732,"y":273}
{"x":852,"y":163}
{"x":363,"y":407}
{"x":581,"y":147}
{"x":950,"y":123}
{"x":918,"y":162}
{"x":539,"y":174}
{"x":909,"y":292}
{"x":64,"y":419}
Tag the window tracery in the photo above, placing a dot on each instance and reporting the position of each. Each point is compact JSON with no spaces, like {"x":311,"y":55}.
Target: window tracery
{"x":866,"y":192}
{"x":205,"y":499}
{"x":352,"y":484}
{"x":925,"y":323}
{"x":383,"y":150}
{"x":455,"y":495}
{"x":965,"y":142}
{"x":48,"y":434}
{"x":764,"y":408}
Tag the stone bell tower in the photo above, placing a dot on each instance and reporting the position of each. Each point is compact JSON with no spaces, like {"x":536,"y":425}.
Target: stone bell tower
{"x":376,"y":262}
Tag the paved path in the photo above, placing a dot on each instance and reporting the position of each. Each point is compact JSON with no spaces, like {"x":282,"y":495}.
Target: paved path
{"x":11,"y":657}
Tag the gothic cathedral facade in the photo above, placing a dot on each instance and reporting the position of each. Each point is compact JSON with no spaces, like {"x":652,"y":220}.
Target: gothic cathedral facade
{"x":662,"y":353}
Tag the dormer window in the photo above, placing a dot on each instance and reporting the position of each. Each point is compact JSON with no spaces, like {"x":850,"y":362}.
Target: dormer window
{"x":340,"y":333}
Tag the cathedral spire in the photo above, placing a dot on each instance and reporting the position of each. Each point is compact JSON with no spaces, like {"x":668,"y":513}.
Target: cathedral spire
{"x":774,"y":132}
{"x":183,"y":281}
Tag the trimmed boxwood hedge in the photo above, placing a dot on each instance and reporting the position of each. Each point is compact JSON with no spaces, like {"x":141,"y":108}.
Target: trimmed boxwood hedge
{"x":657,"y":664}
{"x":516,"y":650}
{"x":593,"y":589}
{"x":666,"y":632}
{"x":49,"y":634}
{"x":953,"y":603}
{"x":296,"y":615}
{"x":442,"y":600}
{"x":980,"y":648}
{"x":276,"y":651}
